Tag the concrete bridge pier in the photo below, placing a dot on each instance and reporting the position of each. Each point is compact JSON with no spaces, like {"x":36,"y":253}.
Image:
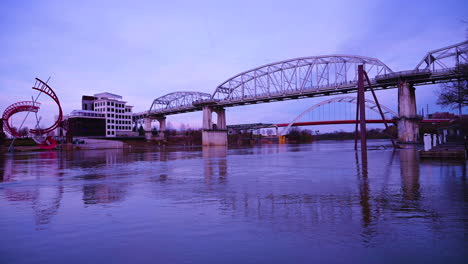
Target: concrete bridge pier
{"x":408,"y":122}
{"x":148,"y":131}
{"x":147,"y":127}
{"x":214,"y":134}
{"x":162,"y":126}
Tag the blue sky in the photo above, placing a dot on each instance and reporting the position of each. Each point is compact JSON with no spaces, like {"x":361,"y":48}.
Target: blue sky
{"x":145,"y":49}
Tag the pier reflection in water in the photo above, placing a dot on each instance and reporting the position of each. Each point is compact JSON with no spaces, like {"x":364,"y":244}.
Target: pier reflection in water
{"x":276,"y":203}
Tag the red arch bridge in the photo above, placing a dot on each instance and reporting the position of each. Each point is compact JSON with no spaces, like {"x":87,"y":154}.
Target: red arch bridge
{"x":307,"y":77}
{"x":327,"y":113}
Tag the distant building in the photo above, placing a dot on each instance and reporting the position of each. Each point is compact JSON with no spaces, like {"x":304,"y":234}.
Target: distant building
{"x":442,"y":115}
{"x":118,"y":115}
{"x":103,"y":114}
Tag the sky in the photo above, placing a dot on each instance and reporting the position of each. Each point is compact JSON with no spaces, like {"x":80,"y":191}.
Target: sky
{"x":145,"y":49}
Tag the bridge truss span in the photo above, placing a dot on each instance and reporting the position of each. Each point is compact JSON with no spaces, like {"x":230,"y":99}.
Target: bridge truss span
{"x":177,"y":102}
{"x":438,"y":66}
{"x":445,"y":58}
{"x":297,"y":77}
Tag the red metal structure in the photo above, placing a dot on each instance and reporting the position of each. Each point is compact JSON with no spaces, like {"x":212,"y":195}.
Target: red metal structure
{"x":335,"y":122}
{"x":45,"y":88}
{"x":344,"y":122}
{"x":48,"y":143}
{"x":33,"y":106}
{"x":24,"y":106}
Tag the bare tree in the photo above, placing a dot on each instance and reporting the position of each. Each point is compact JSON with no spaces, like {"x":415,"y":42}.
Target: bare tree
{"x":455,"y":94}
{"x":24,"y":131}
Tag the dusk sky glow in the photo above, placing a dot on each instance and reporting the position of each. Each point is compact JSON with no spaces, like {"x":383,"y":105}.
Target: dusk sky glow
{"x":145,"y":49}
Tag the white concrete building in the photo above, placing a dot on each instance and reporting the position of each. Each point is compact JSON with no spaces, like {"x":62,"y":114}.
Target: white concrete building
{"x":117,"y":113}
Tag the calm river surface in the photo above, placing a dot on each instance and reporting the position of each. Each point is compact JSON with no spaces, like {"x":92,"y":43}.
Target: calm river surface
{"x":314,"y":203}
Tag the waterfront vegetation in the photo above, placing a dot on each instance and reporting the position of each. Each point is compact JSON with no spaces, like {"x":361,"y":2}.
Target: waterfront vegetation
{"x":295,"y":135}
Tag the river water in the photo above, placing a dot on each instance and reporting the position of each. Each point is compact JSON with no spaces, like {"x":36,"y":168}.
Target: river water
{"x":314,"y":203}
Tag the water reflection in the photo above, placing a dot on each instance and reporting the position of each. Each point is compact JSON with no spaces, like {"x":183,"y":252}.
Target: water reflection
{"x":214,"y":163}
{"x":409,"y":167}
{"x":364,"y":190}
{"x":44,"y":200}
{"x":322,"y":193}
{"x":104,"y":193}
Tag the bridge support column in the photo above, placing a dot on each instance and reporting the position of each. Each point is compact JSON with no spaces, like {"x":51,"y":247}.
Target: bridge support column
{"x":147,"y":127}
{"x":162,"y":126}
{"x":408,"y":122}
{"x":214,"y":134}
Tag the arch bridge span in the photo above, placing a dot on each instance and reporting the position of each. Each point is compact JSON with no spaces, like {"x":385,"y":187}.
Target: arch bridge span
{"x":369,"y":104}
{"x":297,"y":77}
{"x":177,"y":102}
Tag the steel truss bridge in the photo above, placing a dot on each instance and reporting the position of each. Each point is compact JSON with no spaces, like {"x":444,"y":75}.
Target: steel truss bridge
{"x":311,"y":77}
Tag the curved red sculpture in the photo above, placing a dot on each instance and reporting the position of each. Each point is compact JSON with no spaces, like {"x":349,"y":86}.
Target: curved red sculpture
{"x":31,"y":106}
{"x":49,"y":143}
{"x":24,"y":106}
{"x":44,"y":88}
